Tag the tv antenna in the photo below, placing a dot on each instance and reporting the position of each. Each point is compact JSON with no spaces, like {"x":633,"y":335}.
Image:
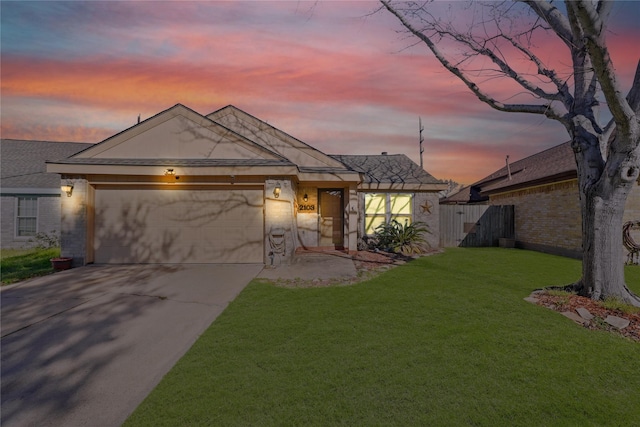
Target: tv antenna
{"x":421,"y":128}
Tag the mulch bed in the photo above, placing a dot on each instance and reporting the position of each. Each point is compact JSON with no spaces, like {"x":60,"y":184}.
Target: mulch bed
{"x":378,"y":261}
{"x":571,"y":302}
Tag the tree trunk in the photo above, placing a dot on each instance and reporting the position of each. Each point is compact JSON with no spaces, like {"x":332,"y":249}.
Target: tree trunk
{"x":603,"y":203}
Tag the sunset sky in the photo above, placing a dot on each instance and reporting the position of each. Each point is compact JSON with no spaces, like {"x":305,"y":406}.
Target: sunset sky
{"x":330,"y":73}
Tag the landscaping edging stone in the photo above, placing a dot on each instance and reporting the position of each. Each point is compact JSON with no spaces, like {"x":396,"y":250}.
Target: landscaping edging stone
{"x":596,"y":317}
{"x":617,"y":322}
{"x":584,"y":313}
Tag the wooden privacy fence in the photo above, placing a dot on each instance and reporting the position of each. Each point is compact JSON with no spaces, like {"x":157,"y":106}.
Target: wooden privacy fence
{"x":475,"y":225}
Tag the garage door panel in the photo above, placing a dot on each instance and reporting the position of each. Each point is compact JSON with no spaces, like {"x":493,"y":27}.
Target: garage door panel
{"x":178,"y":226}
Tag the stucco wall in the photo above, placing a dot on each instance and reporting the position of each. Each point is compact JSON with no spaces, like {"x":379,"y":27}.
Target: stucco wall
{"x":307,"y":220}
{"x":279,"y":221}
{"x":48,"y":220}
{"x":547,"y":217}
{"x":425,"y":209}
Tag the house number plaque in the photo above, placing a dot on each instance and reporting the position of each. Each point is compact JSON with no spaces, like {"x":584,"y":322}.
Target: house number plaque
{"x":306,"y":208}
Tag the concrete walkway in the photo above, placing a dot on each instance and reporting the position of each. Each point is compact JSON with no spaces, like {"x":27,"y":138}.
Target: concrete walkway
{"x":85,"y":346}
{"x":309,"y":265}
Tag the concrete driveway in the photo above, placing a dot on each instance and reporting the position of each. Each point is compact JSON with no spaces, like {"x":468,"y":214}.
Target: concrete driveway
{"x":85,"y":346}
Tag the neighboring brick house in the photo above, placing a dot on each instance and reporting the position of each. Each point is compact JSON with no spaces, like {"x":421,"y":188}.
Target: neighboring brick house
{"x":30,"y":197}
{"x":544,"y":190}
{"x":227,"y":187}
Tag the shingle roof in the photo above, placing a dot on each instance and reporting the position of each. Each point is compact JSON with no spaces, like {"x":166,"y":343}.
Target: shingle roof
{"x":23,"y":162}
{"x":546,"y":166}
{"x":393,"y":169}
{"x":273,"y":139}
{"x":467,"y":194}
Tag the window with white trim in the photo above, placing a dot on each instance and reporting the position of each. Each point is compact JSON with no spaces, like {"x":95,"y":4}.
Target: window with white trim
{"x":380,"y":208}
{"x":27,"y":216}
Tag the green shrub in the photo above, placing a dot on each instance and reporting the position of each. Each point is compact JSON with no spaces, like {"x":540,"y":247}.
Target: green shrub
{"x":46,"y":240}
{"x":404,"y":238}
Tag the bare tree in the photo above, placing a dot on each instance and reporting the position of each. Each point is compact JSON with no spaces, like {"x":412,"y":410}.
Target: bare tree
{"x":607,"y":154}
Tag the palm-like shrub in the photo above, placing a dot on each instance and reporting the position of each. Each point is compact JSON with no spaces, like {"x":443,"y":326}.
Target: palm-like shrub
{"x":404,"y":238}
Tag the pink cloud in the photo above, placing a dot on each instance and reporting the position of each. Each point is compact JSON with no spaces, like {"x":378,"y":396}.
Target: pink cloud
{"x":328,"y":74}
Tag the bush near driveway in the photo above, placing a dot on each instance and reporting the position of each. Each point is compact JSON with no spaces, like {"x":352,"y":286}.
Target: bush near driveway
{"x":443,"y":340}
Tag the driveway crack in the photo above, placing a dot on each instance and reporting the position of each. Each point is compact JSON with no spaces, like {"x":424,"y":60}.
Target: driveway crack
{"x":52,"y":316}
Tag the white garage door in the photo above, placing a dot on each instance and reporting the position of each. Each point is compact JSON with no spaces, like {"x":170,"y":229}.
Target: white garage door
{"x":178,"y":225}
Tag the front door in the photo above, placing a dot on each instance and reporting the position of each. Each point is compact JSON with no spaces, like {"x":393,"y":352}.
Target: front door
{"x":331,"y":217}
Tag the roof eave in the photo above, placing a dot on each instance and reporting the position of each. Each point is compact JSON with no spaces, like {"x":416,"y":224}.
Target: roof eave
{"x":561,"y":177}
{"x":159,"y":170}
{"x":401,"y":186}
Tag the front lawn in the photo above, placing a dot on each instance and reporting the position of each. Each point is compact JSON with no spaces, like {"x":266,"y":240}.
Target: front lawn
{"x":443,"y":340}
{"x":16,"y":265}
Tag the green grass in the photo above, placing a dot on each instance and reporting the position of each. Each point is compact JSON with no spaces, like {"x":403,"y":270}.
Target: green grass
{"x":20,"y":264}
{"x":9,"y":253}
{"x":444,"y":340}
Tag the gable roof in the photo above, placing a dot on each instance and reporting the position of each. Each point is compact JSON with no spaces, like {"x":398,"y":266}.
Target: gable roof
{"x":178,"y":133}
{"x":554,"y":164}
{"x":272,"y":138}
{"x":199,"y":145}
{"x":23,"y":163}
{"x":388,"y":172}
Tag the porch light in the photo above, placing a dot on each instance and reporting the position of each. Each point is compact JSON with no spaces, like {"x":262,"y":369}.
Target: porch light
{"x":169,"y":172}
{"x":67,"y":188}
{"x":305,"y":198}
{"x":276,"y":191}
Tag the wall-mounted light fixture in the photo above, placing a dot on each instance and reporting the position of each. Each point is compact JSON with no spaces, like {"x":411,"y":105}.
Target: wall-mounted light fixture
{"x":169,"y":172}
{"x":305,"y":198}
{"x":276,"y":191}
{"x":67,"y":188}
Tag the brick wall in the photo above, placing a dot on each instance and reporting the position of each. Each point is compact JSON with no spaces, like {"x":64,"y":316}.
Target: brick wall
{"x":632,"y":209}
{"x":49,"y":214}
{"x":73,"y":228}
{"x":8,"y":218}
{"x":48,"y":220}
{"x":547,"y":216}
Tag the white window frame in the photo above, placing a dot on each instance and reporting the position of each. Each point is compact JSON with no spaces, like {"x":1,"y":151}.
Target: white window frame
{"x":388,"y":214}
{"x":18,"y":217}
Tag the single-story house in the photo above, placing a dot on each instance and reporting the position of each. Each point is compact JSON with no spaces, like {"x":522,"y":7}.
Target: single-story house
{"x":543,"y":188}
{"x":30,"y":197}
{"x":228,"y":187}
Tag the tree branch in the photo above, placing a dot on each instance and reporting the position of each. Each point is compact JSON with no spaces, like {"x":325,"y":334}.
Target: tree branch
{"x":546,"y":110}
{"x":552,"y":16}
{"x":563,"y":88}
{"x":502,"y":65}
{"x":593,"y":27}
